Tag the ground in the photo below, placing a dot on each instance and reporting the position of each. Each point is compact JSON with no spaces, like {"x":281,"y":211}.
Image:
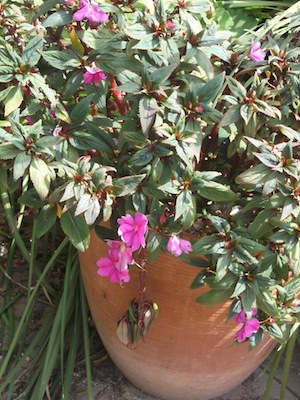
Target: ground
{"x":109,"y":384}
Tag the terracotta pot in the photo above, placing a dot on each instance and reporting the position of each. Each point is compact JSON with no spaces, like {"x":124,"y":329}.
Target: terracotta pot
{"x":186,"y":353}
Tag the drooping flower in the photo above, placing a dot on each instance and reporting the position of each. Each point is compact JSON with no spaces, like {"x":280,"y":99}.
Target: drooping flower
{"x":132,"y":230}
{"x":256,"y":53}
{"x":93,"y":74}
{"x":176,"y":246}
{"x":249,"y":327}
{"x":115,"y":265}
{"x":89,"y":9}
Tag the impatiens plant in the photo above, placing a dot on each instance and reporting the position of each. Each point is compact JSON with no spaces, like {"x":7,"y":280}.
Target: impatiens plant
{"x":184,"y":137}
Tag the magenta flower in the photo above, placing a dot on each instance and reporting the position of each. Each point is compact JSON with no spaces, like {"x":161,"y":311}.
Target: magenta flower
{"x":93,"y":74}
{"x":256,"y":53}
{"x":89,"y":9}
{"x":132,"y":230}
{"x":176,"y":246}
{"x":249,"y":327}
{"x":115,"y":265}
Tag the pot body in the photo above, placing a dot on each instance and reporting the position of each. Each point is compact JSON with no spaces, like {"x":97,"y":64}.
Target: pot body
{"x":187,"y":352}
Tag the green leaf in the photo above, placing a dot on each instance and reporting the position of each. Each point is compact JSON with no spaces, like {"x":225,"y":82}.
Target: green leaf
{"x":216,"y":192}
{"x":76,"y":229}
{"x":160,"y":75}
{"x":198,"y":6}
{"x":45,"y":219}
{"x":210,"y":89}
{"x":214,"y":296}
{"x":232,"y":115}
{"x":32,"y":51}
{"x":31,"y":199}
{"x":246,"y":112}
{"x":205,"y":245}
{"x":137,"y":31}
{"x":8,"y":151}
{"x":267,"y":303}
{"x":148,"y":108}
{"x":40,"y":176}
{"x":236,"y":88}
{"x":127,"y":185}
{"x":248,"y":298}
{"x":183,"y":201}
{"x":146,"y":43}
{"x":80,"y":110}
{"x":58,"y":18}
{"x":253,"y":176}
{"x":60,"y":59}
{"x":261,"y":225}
{"x":199,"y":280}
{"x":21,"y":163}
{"x":13,"y":100}
{"x":73,"y":83}
{"x":170,"y":50}
{"x":142,"y":157}
{"x":105,"y":233}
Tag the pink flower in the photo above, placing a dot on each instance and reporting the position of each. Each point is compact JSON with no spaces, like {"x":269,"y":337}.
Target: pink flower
{"x":199,"y":109}
{"x":249,"y":327}
{"x":256,"y":53}
{"x":29,"y":120}
{"x":115,"y":265}
{"x":53,"y":113}
{"x":89,"y":9}
{"x":133,"y":230}
{"x":176,"y":246}
{"x":69,"y":2}
{"x":93,"y":74}
{"x":170,"y":24}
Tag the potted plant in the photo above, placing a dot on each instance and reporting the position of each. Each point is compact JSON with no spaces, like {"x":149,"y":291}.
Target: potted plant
{"x":173,"y":140}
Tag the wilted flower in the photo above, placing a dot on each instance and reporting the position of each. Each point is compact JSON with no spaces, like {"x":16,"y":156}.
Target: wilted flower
{"x":132,"y":230}
{"x":176,"y":246}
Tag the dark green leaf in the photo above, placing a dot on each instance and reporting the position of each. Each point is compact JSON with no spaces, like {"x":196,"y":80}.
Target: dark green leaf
{"x":45,"y":219}
{"x":32,"y":51}
{"x":60,"y":59}
{"x":76,"y":229}
{"x":208,"y":92}
{"x":199,"y":280}
{"x":58,"y":18}
{"x":105,"y":233}
{"x":127,"y":185}
{"x":80,"y":110}
{"x":214,"y":296}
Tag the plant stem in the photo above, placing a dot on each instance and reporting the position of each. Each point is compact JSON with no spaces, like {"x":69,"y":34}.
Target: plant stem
{"x":142,"y":289}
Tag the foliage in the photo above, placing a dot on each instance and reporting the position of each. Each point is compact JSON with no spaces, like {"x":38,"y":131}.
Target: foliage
{"x":183,"y":127}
